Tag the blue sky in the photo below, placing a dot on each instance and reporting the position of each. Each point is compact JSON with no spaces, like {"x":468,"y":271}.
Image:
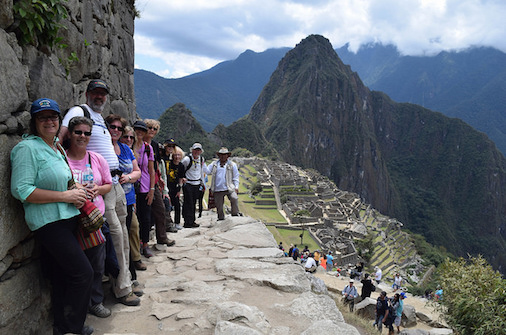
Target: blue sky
{"x":175,"y":38}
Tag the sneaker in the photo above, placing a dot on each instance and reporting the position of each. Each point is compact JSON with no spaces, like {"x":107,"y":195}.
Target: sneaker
{"x":100,"y":310}
{"x":178,"y":226}
{"x":171,"y":229}
{"x":130,"y":300}
{"x":136,"y":289}
{"x":147,"y":252}
{"x":140,"y":266}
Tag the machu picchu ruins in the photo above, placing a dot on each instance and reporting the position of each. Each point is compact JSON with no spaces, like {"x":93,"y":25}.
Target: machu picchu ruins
{"x":335,"y":218}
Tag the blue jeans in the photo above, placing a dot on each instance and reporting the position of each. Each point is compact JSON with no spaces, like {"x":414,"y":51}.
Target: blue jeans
{"x":70,"y":274}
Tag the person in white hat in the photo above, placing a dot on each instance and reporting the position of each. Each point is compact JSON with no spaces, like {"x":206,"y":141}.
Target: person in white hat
{"x":349,"y":294}
{"x":225,"y":182}
{"x":195,"y":167}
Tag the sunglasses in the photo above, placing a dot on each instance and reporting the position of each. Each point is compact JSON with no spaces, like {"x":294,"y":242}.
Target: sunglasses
{"x":153,"y":128}
{"x":113,"y":127}
{"x":128,"y":137}
{"x":53,"y":117}
{"x":80,"y":132}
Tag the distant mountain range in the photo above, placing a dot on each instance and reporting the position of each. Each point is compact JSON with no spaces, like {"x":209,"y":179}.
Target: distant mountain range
{"x":437,"y":175}
{"x":470,"y":85}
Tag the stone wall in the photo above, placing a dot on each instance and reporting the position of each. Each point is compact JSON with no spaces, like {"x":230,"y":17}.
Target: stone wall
{"x":101,"y":34}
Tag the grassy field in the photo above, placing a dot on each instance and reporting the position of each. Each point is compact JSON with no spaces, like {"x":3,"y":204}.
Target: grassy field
{"x":289,"y":236}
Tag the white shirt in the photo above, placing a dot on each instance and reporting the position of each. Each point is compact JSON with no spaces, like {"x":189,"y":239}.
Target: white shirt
{"x":221,"y":175}
{"x":397,"y":280}
{"x":378,"y":274}
{"x":310,"y":263}
{"x":100,"y":140}
{"x":195,"y":174}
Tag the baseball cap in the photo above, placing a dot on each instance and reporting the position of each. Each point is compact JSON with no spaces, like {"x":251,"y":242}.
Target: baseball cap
{"x":170,"y":141}
{"x":403,"y":295}
{"x":140,"y":125}
{"x":44,"y":104}
{"x":97,"y":83}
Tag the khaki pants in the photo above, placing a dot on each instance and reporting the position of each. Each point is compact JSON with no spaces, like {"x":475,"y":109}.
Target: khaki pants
{"x":116,"y":213}
{"x":134,"y":239}
{"x":219,"y":199}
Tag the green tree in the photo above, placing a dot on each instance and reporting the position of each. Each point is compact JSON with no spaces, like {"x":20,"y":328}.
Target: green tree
{"x":474,"y":297}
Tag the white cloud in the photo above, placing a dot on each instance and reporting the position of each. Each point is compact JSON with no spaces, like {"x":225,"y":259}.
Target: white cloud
{"x":191,"y":36}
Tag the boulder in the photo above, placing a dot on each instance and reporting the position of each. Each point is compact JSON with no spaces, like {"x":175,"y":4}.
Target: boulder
{"x":408,"y":316}
{"x":366,"y":308}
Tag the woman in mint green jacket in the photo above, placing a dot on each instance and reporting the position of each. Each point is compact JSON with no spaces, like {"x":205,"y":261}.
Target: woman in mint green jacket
{"x":39,"y":179}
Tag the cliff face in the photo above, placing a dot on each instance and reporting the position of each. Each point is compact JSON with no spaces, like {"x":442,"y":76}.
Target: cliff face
{"x":318,"y":114}
{"x":100,"y":34}
{"x":437,"y":175}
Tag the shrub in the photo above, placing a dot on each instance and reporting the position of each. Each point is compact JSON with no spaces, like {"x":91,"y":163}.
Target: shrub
{"x":256,"y":188}
{"x":474,"y":297}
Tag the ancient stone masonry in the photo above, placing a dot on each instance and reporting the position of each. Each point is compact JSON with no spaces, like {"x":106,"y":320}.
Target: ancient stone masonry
{"x":338,"y":218}
{"x":101,"y":36}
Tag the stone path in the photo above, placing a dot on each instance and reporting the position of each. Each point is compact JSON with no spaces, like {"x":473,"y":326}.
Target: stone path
{"x":226,"y":277}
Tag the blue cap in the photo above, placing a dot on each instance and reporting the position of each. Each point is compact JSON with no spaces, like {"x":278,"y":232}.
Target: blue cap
{"x":403,"y":295}
{"x":44,"y":104}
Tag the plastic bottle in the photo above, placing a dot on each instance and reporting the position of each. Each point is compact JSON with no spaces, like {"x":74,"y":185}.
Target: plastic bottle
{"x":88,"y":177}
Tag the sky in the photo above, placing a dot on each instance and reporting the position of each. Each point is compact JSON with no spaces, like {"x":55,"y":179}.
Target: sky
{"x":176,"y":38}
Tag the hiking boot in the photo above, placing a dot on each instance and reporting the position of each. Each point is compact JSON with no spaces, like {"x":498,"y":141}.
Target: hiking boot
{"x":136,"y":289}
{"x":167,"y":241}
{"x":100,"y":310}
{"x":140,"y":266}
{"x":146,"y":251}
{"x":130,"y":300}
{"x":87,"y":330}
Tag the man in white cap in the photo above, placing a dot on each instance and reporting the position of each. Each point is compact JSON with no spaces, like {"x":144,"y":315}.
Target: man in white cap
{"x":349,"y":294}
{"x":225,"y":182}
{"x":195,"y":167}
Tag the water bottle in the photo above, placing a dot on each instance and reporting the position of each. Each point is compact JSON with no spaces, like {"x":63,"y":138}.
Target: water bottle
{"x":88,"y":177}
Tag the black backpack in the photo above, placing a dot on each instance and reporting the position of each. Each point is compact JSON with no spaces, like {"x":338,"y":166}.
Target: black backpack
{"x":66,"y":143}
{"x":191,"y":162}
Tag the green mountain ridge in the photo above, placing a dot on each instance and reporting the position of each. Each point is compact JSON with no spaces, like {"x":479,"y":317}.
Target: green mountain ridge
{"x":437,"y":175}
{"x":468,"y":84}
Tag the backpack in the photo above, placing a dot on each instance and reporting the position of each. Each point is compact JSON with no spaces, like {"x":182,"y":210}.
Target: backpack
{"x":85,"y":112}
{"x":373,"y":288}
{"x":66,"y":143}
{"x":191,"y":162}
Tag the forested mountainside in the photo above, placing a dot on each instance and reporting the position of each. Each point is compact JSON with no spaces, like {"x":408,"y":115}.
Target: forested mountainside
{"x":469,"y":84}
{"x":437,"y":175}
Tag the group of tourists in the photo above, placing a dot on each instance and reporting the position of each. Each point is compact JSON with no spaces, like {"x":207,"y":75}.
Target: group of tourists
{"x":69,"y":161}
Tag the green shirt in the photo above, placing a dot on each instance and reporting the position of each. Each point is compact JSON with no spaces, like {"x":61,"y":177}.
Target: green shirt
{"x":35,"y":164}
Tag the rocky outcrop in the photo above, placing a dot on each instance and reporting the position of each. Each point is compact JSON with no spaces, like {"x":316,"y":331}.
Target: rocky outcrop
{"x":226,"y":277}
{"x":101,"y":36}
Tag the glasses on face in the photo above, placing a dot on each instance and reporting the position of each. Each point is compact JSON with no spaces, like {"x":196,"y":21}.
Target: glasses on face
{"x":113,"y":127}
{"x":129,"y":137}
{"x":53,"y":118}
{"x":153,"y":128}
{"x":80,"y":132}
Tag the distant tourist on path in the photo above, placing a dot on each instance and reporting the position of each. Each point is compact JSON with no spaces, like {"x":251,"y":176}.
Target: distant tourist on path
{"x":378,"y":275}
{"x":330,"y":261}
{"x":367,"y":287}
{"x":310,"y":265}
{"x":397,"y":282}
{"x":225,"y":182}
{"x":381,"y":310}
{"x":349,"y":294}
